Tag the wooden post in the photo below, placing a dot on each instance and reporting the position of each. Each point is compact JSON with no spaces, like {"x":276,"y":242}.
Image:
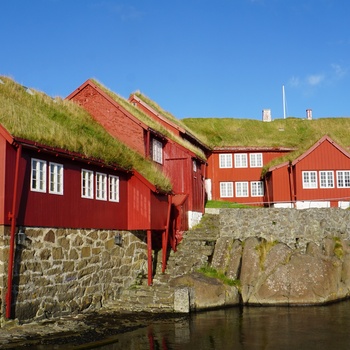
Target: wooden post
{"x":149,"y":253}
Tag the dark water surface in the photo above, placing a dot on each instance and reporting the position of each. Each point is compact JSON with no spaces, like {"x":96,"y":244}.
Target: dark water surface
{"x":321,"y":327}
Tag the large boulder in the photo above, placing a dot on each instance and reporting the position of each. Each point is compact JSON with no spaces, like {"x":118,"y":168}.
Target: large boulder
{"x":274,"y":273}
{"x":205,"y":292}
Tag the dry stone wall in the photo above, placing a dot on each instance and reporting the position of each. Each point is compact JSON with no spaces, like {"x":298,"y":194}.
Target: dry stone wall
{"x":62,"y":271}
{"x":291,"y":226}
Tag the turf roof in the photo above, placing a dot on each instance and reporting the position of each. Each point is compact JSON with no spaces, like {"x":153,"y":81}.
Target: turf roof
{"x":296,"y":133}
{"x":32,"y":115}
{"x":149,"y":121}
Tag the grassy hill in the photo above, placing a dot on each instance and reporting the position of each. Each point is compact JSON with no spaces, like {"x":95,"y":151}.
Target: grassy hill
{"x":32,"y":115}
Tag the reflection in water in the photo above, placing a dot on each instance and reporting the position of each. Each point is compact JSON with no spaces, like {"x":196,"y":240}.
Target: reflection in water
{"x":322,"y":327}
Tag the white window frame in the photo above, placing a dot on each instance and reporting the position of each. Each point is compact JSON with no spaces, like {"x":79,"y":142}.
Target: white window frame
{"x":309,"y":179}
{"x":241,"y":160}
{"x":226,"y":189}
{"x":101,"y":186}
{"x":87,"y":184}
{"x":256,"y":160}
{"x":343,"y":178}
{"x":194,"y":166}
{"x":157,"y":151}
{"x":38,"y":175}
{"x":55,"y":178}
{"x":225,"y":160}
{"x":241,"y":188}
{"x":113,"y":188}
{"x":257,"y":188}
{"x":326,"y":178}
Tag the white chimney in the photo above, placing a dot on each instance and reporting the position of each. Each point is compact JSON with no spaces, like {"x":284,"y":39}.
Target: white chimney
{"x":266,"y":115}
{"x":309,"y":114}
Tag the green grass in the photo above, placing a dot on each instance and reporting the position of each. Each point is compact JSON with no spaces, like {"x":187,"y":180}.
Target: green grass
{"x":168,"y":115}
{"x":213,"y":273}
{"x":63,"y":124}
{"x":223,"y":204}
{"x":149,"y":121}
{"x":293,"y":133}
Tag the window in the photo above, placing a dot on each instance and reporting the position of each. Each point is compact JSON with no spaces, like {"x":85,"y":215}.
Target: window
{"x":56,"y":178}
{"x":241,"y":160}
{"x":241,"y":189}
{"x":343,"y":178}
{"x":101,"y":186}
{"x":257,"y":188}
{"x":157,"y":151}
{"x":194,"y":166}
{"x":226,"y":189}
{"x":113,"y":188}
{"x":38,"y":176}
{"x":309,"y":179}
{"x":225,"y":160}
{"x":256,"y":160}
{"x":87,"y":184}
{"x":326,"y":179}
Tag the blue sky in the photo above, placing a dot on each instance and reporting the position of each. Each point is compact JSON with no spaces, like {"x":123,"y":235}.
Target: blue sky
{"x":196,"y":58}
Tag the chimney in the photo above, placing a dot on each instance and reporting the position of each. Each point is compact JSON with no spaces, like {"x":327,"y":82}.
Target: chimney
{"x":266,"y":115}
{"x":309,"y":114}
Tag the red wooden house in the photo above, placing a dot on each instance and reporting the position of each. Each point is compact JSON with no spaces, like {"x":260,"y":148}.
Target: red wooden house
{"x":234,"y":173}
{"x":42,"y":185}
{"x":155,"y":139}
{"x":320,"y":177}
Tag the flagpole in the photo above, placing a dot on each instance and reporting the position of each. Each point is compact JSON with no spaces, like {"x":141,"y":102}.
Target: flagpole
{"x":284,"y":102}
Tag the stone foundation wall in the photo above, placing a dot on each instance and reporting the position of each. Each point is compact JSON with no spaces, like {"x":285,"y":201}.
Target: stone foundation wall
{"x":291,"y":226}
{"x":61,"y":271}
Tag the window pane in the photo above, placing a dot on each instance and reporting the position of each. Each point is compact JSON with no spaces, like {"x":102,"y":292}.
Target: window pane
{"x":101,"y":186}
{"x":38,"y":175}
{"x":87,"y":184}
{"x":157,"y":151}
{"x":225,"y":160}
{"x":241,"y":160}
{"x":226,"y":189}
{"x":241,"y":189}
{"x":114,"y":188}
{"x":56,"y":178}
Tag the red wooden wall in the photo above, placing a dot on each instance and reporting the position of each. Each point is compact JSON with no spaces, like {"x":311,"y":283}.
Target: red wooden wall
{"x":110,"y":116}
{"x":69,"y":210}
{"x":248,"y":174}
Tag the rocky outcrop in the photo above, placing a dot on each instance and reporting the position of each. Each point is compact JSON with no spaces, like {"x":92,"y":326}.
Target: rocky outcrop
{"x":273,"y":273}
{"x":204,"y":292}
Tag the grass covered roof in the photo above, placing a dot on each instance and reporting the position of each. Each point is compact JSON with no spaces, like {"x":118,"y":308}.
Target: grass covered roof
{"x":296,"y":133}
{"x":32,"y":115}
{"x":143,"y":117}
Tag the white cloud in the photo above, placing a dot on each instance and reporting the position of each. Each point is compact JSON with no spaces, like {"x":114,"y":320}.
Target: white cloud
{"x":338,"y":70}
{"x":315,"y":79}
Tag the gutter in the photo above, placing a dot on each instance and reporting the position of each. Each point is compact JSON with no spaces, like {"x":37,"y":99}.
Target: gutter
{"x":12,"y":217}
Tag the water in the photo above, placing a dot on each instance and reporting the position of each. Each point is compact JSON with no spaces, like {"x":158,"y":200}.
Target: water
{"x":322,"y":327}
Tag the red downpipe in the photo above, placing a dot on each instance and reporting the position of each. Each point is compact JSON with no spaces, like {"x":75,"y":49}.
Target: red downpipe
{"x":149,"y":256}
{"x":166,"y":235}
{"x":13,"y":217}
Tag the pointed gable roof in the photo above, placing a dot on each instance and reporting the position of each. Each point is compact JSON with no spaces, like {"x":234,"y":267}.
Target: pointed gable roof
{"x":325,"y":138}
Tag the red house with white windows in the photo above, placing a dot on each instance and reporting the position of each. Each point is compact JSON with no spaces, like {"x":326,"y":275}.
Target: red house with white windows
{"x":234,"y":173}
{"x":318,"y":178}
{"x":154,"y":138}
